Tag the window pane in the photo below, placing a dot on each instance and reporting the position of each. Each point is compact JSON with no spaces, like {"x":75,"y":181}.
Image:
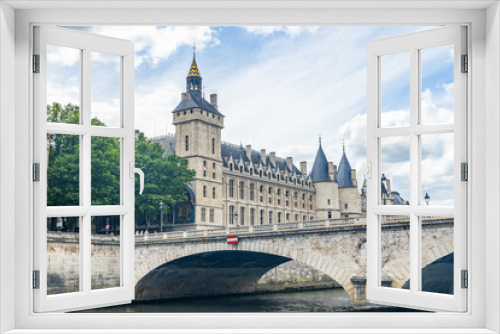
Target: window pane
{"x":437,"y":169}
{"x":395,"y":251}
{"x":105,"y":171}
{"x":105,"y":89}
{"x":63,"y":84}
{"x":437,"y":85}
{"x":437,"y":254}
{"x":63,"y":255}
{"x":395,"y":170}
{"x":63,"y":170}
{"x":105,"y":250}
{"x":395,"y":90}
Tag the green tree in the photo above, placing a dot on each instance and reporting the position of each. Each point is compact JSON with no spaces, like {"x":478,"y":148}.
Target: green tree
{"x":166,"y":179}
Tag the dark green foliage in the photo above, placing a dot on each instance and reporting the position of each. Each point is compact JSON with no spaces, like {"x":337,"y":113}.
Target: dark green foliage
{"x":166,"y":177}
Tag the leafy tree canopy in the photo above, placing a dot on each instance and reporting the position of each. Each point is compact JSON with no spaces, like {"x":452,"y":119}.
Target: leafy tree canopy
{"x":166,"y":177}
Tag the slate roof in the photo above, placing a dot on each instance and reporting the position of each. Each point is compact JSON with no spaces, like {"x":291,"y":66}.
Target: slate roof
{"x":319,"y":172}
{"x":238,"y":152}
{"x":344,"y":173}
{"x":192,"y":100}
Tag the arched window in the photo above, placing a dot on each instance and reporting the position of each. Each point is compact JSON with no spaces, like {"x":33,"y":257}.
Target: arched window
{"x":278,"y":177}
{"x":212,"y":215}
{"x":203,"y":214}
{"x":231,"y":188}
{"x":251,"y":171}
{"x":242,"y":215}
{"x":252,"y":191}
{"x":295,"y":195}
{"x":329,"y":215}
{"x":296,"y":217}
{"x":279,"y":217}
{"x":260,"y":173}
{"x":261,"y":189}
{"x":231,"y":215}
{"x":261,"y":217}
{"x":328,"y":201}
{"x":230,"y":166}
{"x":252,"y":216}
{"x":187,"y":143}
{"x":270,"y":190}
{"x":287,"y":193}
{"x":213,"y":145}
{"x":270,"y":217}
{"x":204,"y":191}
{"x":303,"y":197}
{"x":346,"y":206}
{"x":213,"y":192}
{"x":287,"y":217}
{"x":242,"y":190}
{"x":304,"y":218}
{"x":241,"y":169}
{"x":279,"y":192}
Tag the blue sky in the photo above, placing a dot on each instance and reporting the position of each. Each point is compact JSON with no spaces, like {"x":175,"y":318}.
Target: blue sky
{"x":279,"y":88}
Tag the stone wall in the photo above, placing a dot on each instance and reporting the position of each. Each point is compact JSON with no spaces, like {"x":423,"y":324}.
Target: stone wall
{"x":294,"y":276}
{"x":63,"y":262}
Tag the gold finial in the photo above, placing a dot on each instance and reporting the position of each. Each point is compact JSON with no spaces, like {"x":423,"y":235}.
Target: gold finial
{"x":194,"y":71}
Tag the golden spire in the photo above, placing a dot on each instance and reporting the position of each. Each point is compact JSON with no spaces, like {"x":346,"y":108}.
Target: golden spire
{"x":194,"y":71}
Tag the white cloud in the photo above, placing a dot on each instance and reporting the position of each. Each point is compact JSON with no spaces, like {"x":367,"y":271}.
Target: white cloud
{"x":152,"y":44}
{"x":155,"y":44}
{"x":437,"y":150}
{"x":289,"y":30}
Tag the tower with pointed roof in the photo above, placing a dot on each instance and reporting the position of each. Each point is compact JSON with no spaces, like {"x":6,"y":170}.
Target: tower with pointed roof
{"x":349,"y":198}
{"x":198,"y":124}
{"x":323,"y":177}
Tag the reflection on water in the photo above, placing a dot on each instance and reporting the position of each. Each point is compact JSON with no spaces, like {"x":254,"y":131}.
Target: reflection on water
{"x":328,"y":300}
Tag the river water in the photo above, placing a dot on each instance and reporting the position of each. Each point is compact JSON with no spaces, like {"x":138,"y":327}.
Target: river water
{"x":328,"y":300}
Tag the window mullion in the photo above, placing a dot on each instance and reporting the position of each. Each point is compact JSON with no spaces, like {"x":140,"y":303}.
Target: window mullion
{"x":414,"y":170}
{"x":86,"y":163}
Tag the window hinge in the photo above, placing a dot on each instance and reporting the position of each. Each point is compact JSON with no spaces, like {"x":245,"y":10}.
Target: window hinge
{"x":465,"y":279}
{"x":465,"y":64}
{"x":464,"y":171}
{"x":36,"y":279}
{"x":36,"y":63}
{"x":36,"y":172}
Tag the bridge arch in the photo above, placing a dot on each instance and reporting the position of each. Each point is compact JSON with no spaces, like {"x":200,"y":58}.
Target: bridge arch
{"x":180,"y":271}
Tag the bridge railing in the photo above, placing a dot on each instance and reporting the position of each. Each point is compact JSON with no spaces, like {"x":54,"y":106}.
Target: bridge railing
{"x":303,"y":225}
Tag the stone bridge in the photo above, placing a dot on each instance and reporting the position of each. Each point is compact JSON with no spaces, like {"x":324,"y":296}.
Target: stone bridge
{"x":201,"y":263}
{"x":198,"y":263}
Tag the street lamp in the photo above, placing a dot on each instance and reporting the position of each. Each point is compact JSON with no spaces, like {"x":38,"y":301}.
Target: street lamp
{"x":161,"y":216}
{"x":427,"y":199}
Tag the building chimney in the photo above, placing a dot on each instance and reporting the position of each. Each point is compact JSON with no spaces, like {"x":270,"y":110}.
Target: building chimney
{"x":272,"y":157}
{"x":353,"y":177}
{"x":183,"y":96}
{"x":263,"y":156}
{"x":303,"y":167}
{"x":289,"y":163}
{"x":334,"y":172}
{"x":248,"y":150}
{"x":213,"y":100}
{"x":330,"y":169}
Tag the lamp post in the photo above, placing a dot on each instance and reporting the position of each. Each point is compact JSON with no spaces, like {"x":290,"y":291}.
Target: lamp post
{"x":427,"y":199}
{"x":161,"y":216}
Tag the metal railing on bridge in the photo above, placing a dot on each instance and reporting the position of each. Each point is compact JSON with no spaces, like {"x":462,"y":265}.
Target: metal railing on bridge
{"x":303,"y":225}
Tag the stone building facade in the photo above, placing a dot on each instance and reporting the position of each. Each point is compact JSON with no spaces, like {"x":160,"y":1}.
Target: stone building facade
{"x":238,"y":185}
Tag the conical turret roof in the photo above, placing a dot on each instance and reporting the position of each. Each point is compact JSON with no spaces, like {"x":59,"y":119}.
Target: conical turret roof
{"x":319,"y":172}
{"x":344,"y":173}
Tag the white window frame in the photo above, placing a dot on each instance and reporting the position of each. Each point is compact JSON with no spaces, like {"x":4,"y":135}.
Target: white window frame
{"x":87,"y":43}
{"x":484,"y":211}
{"x":413,"y":43}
